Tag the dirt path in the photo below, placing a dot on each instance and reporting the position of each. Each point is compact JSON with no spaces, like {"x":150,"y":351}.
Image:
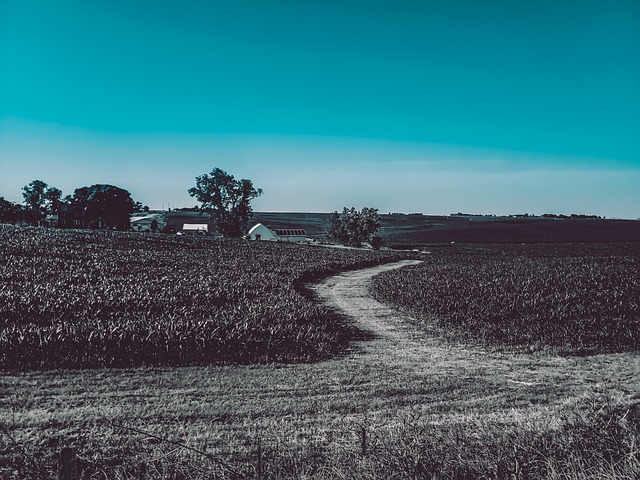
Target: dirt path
{"x":393,"y":335}
{"x":349,"y":292}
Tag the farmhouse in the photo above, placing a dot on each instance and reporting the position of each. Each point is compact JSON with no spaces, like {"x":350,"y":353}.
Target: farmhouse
{"x":262,"y":232}
{"x":70,"y":216}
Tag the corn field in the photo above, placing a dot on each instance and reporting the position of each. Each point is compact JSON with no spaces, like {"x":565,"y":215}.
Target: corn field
{"x":570,"y":299}
{"x":75,"y":299}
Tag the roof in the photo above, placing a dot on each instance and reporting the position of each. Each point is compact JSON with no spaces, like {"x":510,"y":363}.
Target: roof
{"x":280,"y":232}
{"x":195,"y":226}
{"x":148,"y":218}
{"x":289,"y":232}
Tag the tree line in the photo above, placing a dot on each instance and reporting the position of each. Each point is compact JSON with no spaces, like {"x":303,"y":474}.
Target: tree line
{"x":223,"y":197}
{"x":96,"y":206}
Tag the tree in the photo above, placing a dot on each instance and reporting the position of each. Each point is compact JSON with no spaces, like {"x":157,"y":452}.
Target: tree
{"x":33,"y":195}
{"x":104,"y":206}
{"x":139,"y":208}
{"x":9,"y":211}
{"x":376,"y":242}
{"x":353,"y":227}
{"x":53,"y":199}
{"x":226,"y":199}
{"x":41,"y":199}
{"x":337,"y":231}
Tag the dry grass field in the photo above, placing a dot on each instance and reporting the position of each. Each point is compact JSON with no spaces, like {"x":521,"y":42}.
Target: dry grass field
{"x":396,"y":402}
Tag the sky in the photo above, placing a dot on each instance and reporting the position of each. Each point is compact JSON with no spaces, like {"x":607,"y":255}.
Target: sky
{"x":474,"y":106}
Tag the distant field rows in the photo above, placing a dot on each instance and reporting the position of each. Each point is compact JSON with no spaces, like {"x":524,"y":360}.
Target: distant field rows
{"x":93,"y":299}
{"x":565,"y":298}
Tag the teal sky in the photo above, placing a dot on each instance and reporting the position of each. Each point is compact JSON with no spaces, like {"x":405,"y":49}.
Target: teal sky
{"x":415,"y":106}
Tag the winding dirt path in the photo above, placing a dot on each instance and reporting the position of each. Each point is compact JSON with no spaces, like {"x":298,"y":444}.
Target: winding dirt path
{"x":506,"y":378}
{"x":393,"y":334}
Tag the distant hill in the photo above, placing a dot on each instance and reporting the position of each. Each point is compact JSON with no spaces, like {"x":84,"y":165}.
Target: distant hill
{"x":409,"y":230}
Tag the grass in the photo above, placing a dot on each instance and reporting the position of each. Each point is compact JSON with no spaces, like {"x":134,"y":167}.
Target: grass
{"x":410,"y":231}
{"x":330,"y":420}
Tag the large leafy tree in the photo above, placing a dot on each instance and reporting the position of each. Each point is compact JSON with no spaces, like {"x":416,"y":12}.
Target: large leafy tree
{"x":337,"y":231}
{"x":104,"y":206}
{"x":353,"y":227}
{"x":226,"y":199}
{"x":41,"y":199}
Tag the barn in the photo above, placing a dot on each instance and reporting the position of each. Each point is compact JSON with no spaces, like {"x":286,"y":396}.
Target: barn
{"x":263,"y":232}
{"x":147,"y":223}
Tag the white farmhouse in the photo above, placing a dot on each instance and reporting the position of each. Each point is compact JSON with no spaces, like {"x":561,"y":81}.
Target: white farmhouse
{"x":262,"y":232}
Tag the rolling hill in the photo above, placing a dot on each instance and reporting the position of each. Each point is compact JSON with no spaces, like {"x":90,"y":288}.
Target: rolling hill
{"x":413,"y":230}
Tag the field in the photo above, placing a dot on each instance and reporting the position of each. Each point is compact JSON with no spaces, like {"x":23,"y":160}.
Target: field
{"x":416,"y":230}
{"x":211,"y":361}
{"x":72,"y":299}
{"x":571,"y":299}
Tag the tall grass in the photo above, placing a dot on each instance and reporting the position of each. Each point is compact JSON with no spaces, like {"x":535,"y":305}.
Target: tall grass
{"x":599,"y":439}
{"x":92,"y":299}
{"x":571,"y":299}
{"x":597,"y":442}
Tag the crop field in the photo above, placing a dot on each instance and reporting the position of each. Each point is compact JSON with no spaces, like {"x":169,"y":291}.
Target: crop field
{"x":164,"y":357}
{"x":72,"y":299}
{"x":567,"y":299}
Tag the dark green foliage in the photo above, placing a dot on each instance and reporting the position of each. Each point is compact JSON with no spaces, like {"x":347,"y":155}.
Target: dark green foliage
{"x":139,"y":208}
{"x":104,"y":206}
{"x":376,"y":242}
{"x":40,"y":199}
{"x":353,"y":227}
{"x":574,"y":299}
{"x":96,"y":298}
{"x":9,"y":211}
{"x":34,"y":195}
{"x":228,"y":200}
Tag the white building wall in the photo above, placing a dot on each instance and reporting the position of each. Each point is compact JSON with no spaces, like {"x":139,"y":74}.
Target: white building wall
{"x":263,"y":232}
{"x":291,"y":238}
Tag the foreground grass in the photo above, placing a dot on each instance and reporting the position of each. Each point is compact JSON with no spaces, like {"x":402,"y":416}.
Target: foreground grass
{"x":458,"y":415}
